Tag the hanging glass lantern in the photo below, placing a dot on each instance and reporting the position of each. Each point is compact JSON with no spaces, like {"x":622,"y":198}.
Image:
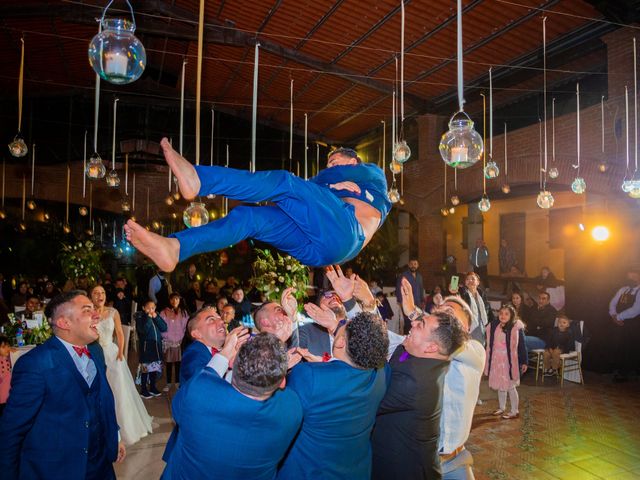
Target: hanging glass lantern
{"x":455,"y":200}
{"x":66,"y":228}
{"x":395,"y":167}
{"x":401,"y":152}
{"x":452,"y":210}
{"x":603,"y":166}
{"x":169,"y":200}
{"x":627,"y":185}
{"x":484,"y":204}
{"x":174,"y":215}
{"x":22,"y":226}
{"x":113,"y":180}
{"x":46,"y":216}
{"x":31,"y":204}
{"x":156,"y":225}
{"x":491,"y":170}
{"x":635,"y":181}
{"x":83,"y":211}
{"x":461,"y":146}
{"x":578,"y":185}
{"x":506,"y":188}
{"x":95,"y":168}
{"x":176,"y":196}
{"x":3,"y":214}
{"x":125,"y":205}
{"x":133,"y":218}
{"x":18,"y":148}
{"x":553,"y":172}
{"x":195,"y":215}
{"x":89,"y":231}
{"x":444,"y":211}
{"x":545,"y":199}
{"x":635,"y":193}
{"x":213,"y":214}
{"x":394,"y":195}
{"x":115,"y":53}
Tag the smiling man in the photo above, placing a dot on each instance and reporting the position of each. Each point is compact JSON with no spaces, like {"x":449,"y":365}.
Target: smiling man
{"x":327,"y":219}
{"x":60,"y":420}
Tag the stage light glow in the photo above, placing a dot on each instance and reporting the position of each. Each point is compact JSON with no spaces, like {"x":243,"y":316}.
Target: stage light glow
{"x":600,"y":233}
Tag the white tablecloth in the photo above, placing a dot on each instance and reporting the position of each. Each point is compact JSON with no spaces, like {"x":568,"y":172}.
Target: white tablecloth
{"x":14,"y":356}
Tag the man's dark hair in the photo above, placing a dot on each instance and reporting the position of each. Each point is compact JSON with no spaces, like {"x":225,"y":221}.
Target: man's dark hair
{"x":52,"y":310}
{"x":29,"y":296}
{"x":4,"y":340}
{"x":546,"y":294}
{"x":260,"y":366}
{"x":347,"y":152}
{"x":367,"y":340}
{"x":449,"y":334}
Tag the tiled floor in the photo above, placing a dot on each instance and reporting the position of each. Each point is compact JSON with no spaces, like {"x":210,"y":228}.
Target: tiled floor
{"x":578,"y":432}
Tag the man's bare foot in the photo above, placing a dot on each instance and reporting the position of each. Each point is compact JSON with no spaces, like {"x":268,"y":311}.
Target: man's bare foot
{"x":188,"y":180}
{"x":163,"y":251}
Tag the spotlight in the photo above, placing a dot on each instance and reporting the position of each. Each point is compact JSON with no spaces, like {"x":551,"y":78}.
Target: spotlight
{"x":600,"y":233}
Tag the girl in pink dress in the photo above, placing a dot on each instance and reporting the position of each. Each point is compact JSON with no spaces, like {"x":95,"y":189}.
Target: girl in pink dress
{"x":176,"y":318}
{"x":505,"y":359}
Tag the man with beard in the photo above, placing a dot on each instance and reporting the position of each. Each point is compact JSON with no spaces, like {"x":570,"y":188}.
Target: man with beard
{"x":315,"y":337}
{"x":417,"y":287}
{"x":624,"y":310}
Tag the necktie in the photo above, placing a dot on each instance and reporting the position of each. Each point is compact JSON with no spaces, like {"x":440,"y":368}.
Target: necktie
{"x":82,"y":351}
{"x":214,"y":350}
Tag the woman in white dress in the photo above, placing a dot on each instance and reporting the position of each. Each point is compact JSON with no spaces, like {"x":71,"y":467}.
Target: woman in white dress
{"x":132,"y":416}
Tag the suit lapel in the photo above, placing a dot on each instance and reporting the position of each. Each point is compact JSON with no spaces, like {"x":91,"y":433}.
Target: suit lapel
{"x":66,"y":362}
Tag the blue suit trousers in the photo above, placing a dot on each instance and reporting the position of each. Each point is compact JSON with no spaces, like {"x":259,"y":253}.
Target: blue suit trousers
{"x":306,"y":220}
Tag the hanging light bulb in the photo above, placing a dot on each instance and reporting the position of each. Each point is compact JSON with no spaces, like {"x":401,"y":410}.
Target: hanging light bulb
{"x":444,"y":211}
{"x":545,"y":199}
{"x":113,"y":180}
{"x":213,"y":214}
{"x":169,"y":200}
{"x":83,"y":211}
{"x":452,"y":210}
{"x":553,"y":172}
{"x":66,"y":228}
{"x":115,"y":53}
{"x":31,"y":205}
{"x":484,"y":204}
{"x":125,"y":205}
{"x":401,"y":152}
{"x":3,"y":214}
{"x":195,"y":215}
{"x":506,"y":188}
{"x":174,"y":215}
{"x":46,"y":216}
{"x":18,"y":148}
{"x":455,"y":200}
{"x":603,"y":166}
{"x":176,"y":196}
{"x":95,"y":168}
{"x":394,"y":195}
{"x":89,"y":231}
{"x":156,"y":225}
{"x":211,"y":196}
{"x":491,"y":170}
{"x":22,"y":226}
{"x":578,"y":185}
{"x":395,"y":167}
{"x":461,"y":146}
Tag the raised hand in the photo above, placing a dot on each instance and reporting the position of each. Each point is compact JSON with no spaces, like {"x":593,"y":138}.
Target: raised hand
{"x":293,"y":358}
{"x":362,"y":292}
{"x":289,"y":302}
{"x":408,"y":305}
{"x":322,"y":316}
{"x":235,"y":339}
{"x":342,"y":285}
{"x":308,"y":356}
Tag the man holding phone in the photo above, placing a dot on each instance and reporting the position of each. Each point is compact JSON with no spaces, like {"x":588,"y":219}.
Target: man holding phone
{"x":417,"y":287}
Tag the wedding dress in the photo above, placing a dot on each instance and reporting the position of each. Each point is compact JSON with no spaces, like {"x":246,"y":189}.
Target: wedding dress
{"x":132,"y":416}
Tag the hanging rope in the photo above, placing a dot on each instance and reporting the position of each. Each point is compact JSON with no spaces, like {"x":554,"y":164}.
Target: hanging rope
{"x":20,"y":84}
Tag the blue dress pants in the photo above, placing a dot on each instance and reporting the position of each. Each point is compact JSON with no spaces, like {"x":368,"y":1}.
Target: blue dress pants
{"x":307,"y":220}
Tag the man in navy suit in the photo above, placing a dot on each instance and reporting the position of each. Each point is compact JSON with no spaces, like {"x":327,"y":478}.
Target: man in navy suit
{"x":239,"y":430}
{"x":339,"y":400}
{"x":60,"y":421}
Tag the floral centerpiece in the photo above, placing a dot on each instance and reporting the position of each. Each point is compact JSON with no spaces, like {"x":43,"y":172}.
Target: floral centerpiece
{"x":274,"y":273}
{"x":30,"y":336}
{"x":81,"y":259}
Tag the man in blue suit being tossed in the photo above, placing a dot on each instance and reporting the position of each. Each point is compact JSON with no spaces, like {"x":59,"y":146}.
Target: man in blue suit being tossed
{"x":60,"y":420}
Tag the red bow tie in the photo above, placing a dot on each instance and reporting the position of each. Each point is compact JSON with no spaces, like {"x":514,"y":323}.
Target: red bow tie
{"x":214,"y":350}
{"x":82,"y":351}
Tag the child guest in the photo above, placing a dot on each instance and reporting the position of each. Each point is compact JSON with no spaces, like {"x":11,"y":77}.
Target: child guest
{"x":506,"y":359}
{"x":561,"y":341}
{"x":150,"y":326}
{"x":176,"y":319}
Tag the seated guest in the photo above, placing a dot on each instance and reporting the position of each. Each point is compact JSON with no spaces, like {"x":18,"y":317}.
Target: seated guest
{"x":405,"y":438}
{"x":560,"y":341}
{"x":210,"y":337}
{"x":31,"y":306}
{"x":540,"y":321}
{"x":49,"y":291}
{"x":19,"y":298}
{"x":339,"y":402}
{"x":60,"y":420}
{"x":240,"y":430}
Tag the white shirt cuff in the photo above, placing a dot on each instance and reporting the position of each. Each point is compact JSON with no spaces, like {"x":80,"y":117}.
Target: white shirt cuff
{"x":219,"y":363}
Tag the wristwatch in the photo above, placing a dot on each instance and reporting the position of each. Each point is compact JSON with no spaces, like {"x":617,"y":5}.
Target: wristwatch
{"x":417,"y":313}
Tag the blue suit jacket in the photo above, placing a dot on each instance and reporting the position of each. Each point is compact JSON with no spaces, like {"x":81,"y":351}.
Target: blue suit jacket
{"x":44,"y":428}
{"x":223,"y":434}
{"x":195,"y":358}
{"x":314,"y":338}
{"x":339,"y":404}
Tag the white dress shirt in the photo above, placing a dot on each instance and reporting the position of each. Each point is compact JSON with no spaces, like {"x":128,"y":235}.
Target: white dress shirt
{"x":84,"y":364}
{"x":631,"y":312}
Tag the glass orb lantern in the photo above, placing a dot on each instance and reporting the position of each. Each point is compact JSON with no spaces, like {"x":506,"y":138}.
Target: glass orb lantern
{"x":444,"y":211}
{"x":395,"y":167}
{"x":169,"y":200}
{"x":176,"y":196}
{"x":401,"y":152}
{"x":452,"y":210}
{"x":83,"y":211}
{"x":125,"y":205}
{"x":578,"y":185}
{"x":484,"y":204}
{"x":394,"y":195}
{"x":115,"y":53}
{"x":113,"y":180}
{"x":18,"y":148}
{"x":635,"y":193}
{"x":491,"y":170}
{"x":31,"y":204}
{"x":455,"y":200}
{"x":545,"y":199}
{"x":66,"y":228}
{"x":461,"y":146}
{"x":553,"y":172}
{"x":195,"y":215}
{"x":506,"y":188}
{"x":95,"y":168}
{"x":627,"y":185}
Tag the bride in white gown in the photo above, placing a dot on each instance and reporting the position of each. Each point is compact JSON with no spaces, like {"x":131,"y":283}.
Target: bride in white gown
{"x":132,"y":416}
